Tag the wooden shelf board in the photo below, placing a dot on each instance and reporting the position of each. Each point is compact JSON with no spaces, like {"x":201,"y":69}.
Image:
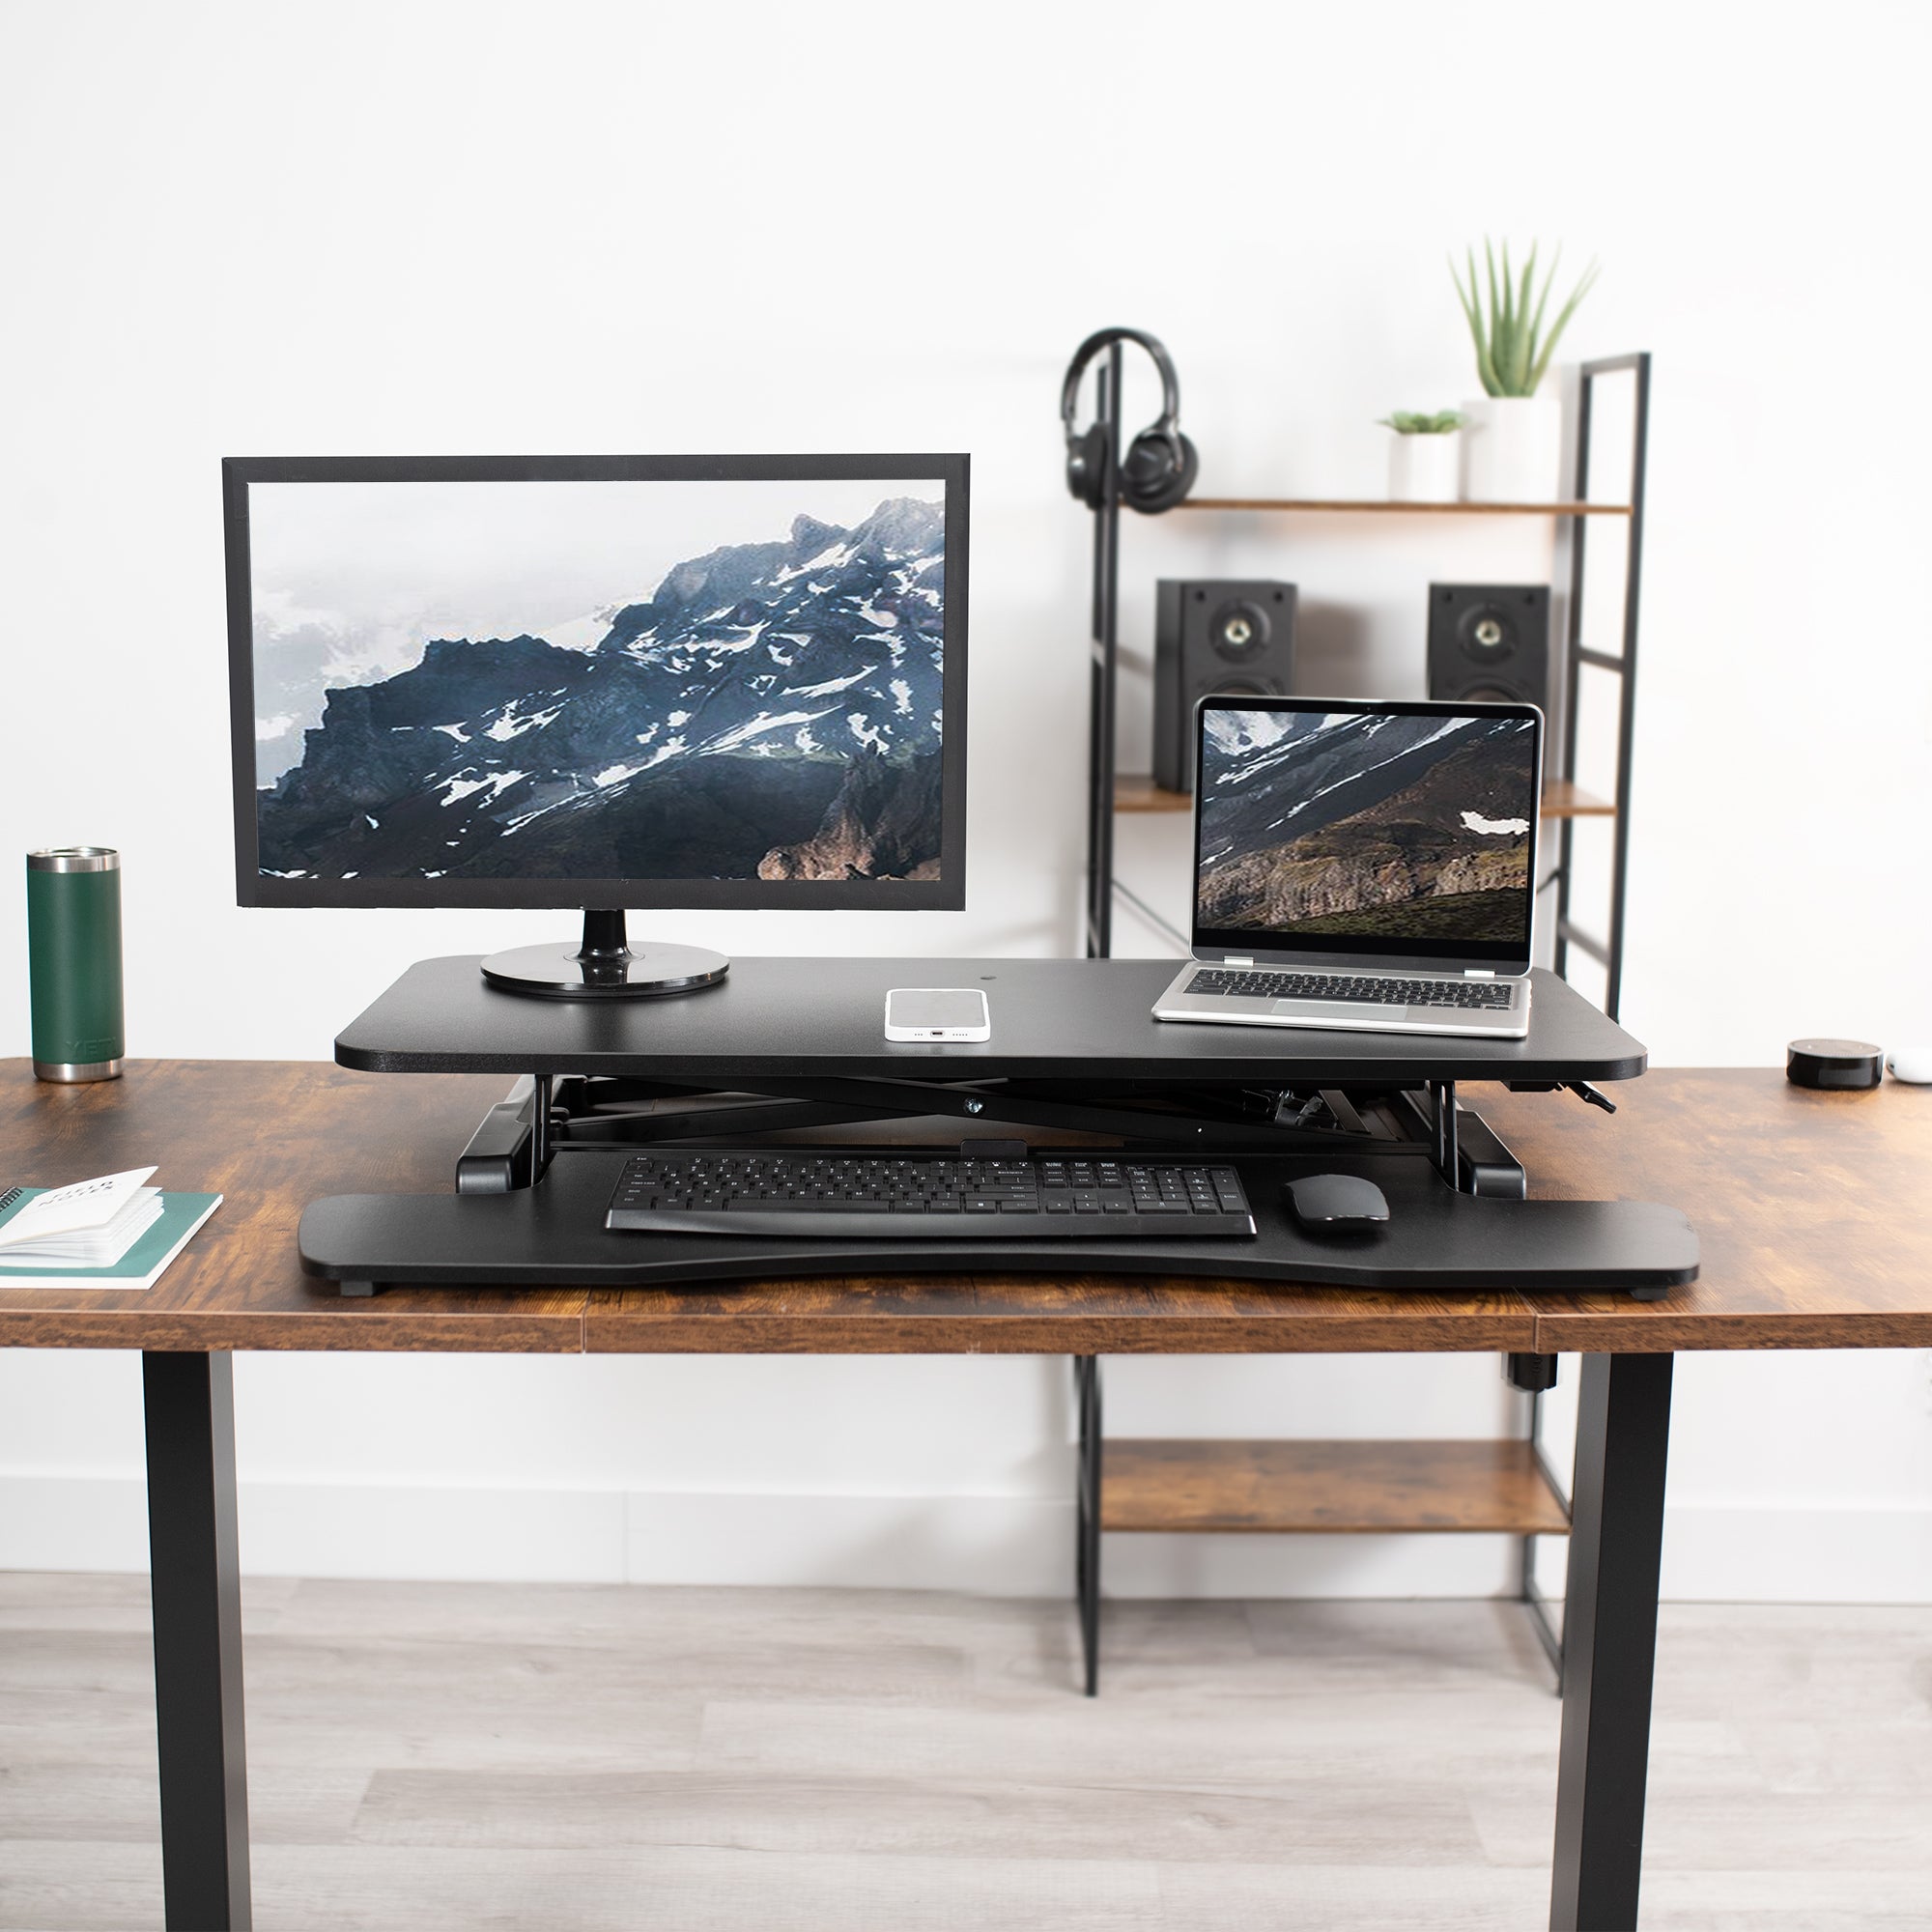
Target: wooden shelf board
{"x":1348,"y":1488}
{"x":1563,"y":799}
{"x":1380,"y":507}
{"x":1135,"y":791}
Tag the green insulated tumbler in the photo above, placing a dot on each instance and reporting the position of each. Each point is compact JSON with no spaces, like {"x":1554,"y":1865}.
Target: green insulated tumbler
{"x":74,"y":962}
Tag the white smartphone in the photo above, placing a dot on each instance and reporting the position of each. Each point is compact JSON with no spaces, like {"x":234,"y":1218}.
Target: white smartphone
{"x":937,"y":1012}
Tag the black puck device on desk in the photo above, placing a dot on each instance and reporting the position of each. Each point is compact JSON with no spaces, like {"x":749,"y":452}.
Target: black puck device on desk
{"x":1846,"y":1065}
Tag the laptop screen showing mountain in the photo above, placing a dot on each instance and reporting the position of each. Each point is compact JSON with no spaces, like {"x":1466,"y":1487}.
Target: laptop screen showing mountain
{"x":599,"y":681}
{"x":1366,"y":833}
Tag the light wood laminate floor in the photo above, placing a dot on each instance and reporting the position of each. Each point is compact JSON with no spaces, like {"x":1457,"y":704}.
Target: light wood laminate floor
{"x":583,"y":1759}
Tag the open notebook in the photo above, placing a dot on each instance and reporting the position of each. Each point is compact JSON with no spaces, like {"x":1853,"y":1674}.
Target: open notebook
{"x":111,"y":1231}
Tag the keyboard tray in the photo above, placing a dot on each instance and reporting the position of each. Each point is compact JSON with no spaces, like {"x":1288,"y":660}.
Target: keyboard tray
{"x":552,"y":1235}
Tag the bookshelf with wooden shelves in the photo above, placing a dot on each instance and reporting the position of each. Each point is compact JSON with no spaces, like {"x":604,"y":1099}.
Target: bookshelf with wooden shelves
{"x":1346,"y":1487}
{"x":1362,"y":1488}
{"x":1154,"y":1486}
{"x":1565,"y":803}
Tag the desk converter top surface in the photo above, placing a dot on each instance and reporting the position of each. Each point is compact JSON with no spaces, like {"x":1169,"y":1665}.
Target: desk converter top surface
{"x":1053,"y":1019}
{"x":1814,"y":1211}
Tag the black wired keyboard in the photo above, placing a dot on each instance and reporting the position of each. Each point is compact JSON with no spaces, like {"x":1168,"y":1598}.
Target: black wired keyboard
{"x":1465,"y":995}
{"x":836,"y":1196}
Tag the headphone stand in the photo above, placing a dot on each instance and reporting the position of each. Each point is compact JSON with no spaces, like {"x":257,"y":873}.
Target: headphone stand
{"x":1099,"y":921}
{"x":1156,"y":472}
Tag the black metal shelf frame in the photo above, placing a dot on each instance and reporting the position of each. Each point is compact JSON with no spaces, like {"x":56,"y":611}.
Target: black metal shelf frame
{"x":1607,"y":949}
{"x":1090,"y":1457}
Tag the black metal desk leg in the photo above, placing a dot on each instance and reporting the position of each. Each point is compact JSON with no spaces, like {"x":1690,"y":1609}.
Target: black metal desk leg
{"x":1610,"y":1640}
{"x":190,"y":1405}
{"x":1087,"y":1518}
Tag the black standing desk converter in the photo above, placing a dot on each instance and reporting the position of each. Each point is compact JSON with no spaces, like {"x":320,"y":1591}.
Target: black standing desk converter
{"x":789,"y":1045}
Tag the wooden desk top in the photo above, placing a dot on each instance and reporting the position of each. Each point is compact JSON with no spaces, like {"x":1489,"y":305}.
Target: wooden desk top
{"x":1815,"y":1212}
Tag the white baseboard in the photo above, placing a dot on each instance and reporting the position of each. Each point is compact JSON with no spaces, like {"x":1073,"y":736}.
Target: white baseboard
{"x":996,"y":1546}
{"x":1754,"y":1554}
{"x":1012,"y":1546}
{"x":73,"y":1522}
{"x":332,"y":1529}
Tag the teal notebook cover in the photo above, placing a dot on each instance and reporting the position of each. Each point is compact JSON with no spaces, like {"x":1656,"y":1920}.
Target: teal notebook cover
{"x":140,"y":1268}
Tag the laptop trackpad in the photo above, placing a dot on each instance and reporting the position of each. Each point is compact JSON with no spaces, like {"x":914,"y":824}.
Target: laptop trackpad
{"x":1337,"y":1009}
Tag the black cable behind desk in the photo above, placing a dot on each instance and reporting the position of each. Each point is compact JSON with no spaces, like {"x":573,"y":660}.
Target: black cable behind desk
{"x":791,"y":1048}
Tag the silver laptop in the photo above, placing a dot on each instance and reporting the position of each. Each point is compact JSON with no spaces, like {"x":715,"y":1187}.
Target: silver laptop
{"x":1363,"y":865}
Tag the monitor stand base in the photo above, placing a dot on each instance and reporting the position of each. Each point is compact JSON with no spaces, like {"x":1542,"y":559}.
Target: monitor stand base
{"x":604,"y":967}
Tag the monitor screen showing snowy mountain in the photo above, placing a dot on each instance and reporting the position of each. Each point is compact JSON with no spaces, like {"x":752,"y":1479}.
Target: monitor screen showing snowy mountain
{"x":1412,"y":830}
{"x":619,"y":679}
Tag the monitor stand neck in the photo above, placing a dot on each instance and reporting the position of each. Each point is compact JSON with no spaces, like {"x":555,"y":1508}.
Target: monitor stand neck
{"x":605,"y":966}
{"x":603,"y":938}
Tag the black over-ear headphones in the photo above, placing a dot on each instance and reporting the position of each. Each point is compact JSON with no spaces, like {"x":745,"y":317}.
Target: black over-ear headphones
{"x":1160,"y":465}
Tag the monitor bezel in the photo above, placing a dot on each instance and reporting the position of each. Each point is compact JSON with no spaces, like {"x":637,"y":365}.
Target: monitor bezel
{"x":255,"y":887}
{"x":1507,"y":958}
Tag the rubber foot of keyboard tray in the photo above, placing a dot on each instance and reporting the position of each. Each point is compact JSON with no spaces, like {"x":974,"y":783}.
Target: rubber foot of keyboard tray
{"x":359,"y":1287}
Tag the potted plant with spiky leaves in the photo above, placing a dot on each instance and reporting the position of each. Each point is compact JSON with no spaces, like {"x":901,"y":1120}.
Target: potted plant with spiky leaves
{"x":1514,"y":440}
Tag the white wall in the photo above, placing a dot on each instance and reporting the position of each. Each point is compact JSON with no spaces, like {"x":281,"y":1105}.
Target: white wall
{"x":309,"y":228}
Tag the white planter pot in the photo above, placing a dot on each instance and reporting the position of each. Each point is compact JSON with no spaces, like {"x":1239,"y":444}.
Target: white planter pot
{"x":1423,"y":468}
{"x":1512,"y":449}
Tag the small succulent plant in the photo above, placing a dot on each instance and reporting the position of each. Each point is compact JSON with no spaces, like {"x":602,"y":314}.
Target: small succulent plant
{"x":1419,"y":422}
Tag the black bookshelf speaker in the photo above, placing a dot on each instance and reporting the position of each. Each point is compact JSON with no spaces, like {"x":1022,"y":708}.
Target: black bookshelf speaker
{"x":1230,"y":636}
{"x":1489,"y":642}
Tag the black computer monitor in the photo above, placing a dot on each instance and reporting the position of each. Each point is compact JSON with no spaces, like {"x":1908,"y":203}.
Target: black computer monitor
{"x":599,"y":682}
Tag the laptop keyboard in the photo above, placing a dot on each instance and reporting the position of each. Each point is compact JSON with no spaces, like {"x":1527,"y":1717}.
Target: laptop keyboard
{"x":1461,"y":995}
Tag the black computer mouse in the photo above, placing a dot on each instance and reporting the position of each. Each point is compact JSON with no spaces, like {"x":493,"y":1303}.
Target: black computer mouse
{"x":1337,"y":1204}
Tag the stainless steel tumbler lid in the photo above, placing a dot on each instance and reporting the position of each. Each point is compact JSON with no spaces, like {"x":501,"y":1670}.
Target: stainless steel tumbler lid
{"x":74,"y":859}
